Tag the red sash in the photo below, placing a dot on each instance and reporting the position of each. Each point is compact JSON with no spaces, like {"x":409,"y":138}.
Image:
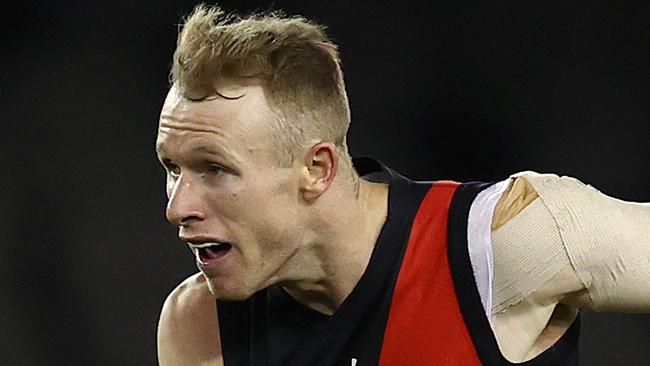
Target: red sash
{"x":425,"y":324}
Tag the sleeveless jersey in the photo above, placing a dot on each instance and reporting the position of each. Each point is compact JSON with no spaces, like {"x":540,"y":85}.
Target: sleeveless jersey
{"x":416,"y":303}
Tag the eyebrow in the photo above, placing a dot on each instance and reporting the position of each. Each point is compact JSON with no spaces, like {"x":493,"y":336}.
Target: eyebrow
{"x":205,"y":149}
{"x":162,"y":154}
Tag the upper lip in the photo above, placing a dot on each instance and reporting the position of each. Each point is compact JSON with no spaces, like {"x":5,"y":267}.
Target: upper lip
{"x":200,"y":239}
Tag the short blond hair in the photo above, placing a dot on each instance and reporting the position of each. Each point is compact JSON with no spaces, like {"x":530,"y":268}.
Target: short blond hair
{"x":293,"y":57}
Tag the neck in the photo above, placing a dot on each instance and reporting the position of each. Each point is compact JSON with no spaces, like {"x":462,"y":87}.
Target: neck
{"x":337,"y":254}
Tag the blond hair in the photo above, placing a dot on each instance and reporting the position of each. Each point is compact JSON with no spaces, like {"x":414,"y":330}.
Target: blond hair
{"x":297,"y":63}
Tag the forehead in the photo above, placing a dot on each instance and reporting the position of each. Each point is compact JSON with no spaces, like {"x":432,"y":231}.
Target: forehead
{"x":246,"y":115}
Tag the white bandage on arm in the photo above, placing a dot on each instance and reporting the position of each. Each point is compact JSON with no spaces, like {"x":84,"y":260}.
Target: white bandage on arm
{"x":607,"y":240}
{"x":528,"y":253}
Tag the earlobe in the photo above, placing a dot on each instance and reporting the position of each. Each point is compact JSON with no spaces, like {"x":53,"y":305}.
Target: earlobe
{"x":321,"y":163}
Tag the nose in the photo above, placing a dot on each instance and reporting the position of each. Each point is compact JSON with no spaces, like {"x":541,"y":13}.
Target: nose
{"x":184,"y":205}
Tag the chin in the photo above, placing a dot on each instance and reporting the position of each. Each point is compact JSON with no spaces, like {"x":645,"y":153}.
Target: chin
{"x":222,"y":291}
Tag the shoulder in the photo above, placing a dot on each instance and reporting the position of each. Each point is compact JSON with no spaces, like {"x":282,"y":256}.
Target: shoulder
{"x":188,"y":331}
{"x":543,"y":182}
{"x":189,"y":295}
{"x":526,"y":186}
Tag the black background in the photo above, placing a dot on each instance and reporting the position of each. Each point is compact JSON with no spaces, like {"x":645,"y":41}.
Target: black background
{"x":472,"y":90}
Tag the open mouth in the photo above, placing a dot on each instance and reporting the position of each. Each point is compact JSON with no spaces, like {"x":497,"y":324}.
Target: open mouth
{"x":206,"y":252}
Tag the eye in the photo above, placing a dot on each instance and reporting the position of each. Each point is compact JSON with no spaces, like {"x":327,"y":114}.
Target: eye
{"x":214,"y":168}
{"x":172,"y":169}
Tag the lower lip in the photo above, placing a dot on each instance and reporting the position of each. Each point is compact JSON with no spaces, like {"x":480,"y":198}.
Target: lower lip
{"x":210,"y":263}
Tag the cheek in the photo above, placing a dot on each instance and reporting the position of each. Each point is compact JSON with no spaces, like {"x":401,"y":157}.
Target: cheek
{"x":264,"y":208}
{"x":278,"y":223}
{"x":255,"y":199}
{"x":268,"y":220}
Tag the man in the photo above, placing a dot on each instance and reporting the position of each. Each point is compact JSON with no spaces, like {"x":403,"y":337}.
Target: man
{"x":307,"y":257}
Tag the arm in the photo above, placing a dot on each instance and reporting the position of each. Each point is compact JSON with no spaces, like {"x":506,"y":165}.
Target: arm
{"x":188,"y":330}
{"x":559,"y":245}
{"x":606,"y":242}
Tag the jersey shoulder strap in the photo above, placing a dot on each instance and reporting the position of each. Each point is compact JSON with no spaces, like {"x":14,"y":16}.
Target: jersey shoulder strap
{"x":425,"y":323}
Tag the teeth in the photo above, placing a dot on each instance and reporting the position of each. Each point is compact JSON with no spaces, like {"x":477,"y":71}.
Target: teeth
{"x":204,"y":245}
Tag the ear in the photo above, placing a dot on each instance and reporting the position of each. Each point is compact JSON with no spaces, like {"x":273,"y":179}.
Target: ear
{"x":321,"y":165}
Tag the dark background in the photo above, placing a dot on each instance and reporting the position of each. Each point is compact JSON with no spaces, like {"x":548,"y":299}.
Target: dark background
{"x":444,"y":89}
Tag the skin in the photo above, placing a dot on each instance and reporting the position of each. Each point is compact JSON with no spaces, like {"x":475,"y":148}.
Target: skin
{"x":307,"y":227}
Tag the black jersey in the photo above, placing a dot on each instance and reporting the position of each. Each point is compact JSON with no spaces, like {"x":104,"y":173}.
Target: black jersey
{"x":271,"y":328}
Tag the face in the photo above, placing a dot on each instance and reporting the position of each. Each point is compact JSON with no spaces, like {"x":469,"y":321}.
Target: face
{"x":234,"y":205}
